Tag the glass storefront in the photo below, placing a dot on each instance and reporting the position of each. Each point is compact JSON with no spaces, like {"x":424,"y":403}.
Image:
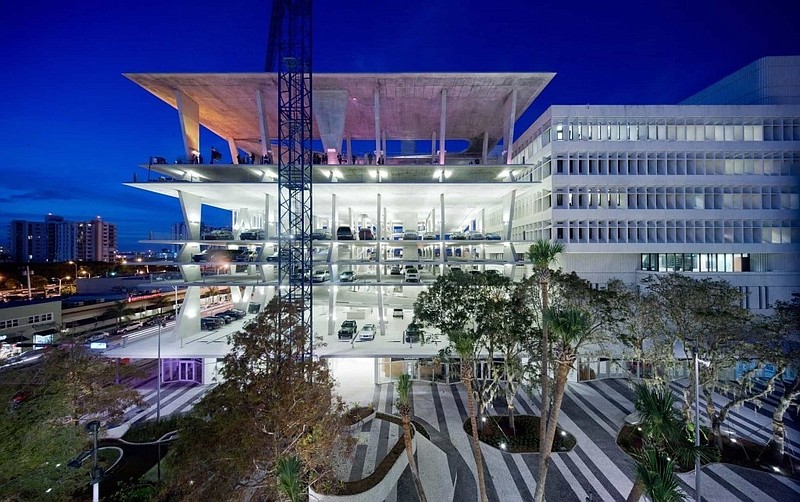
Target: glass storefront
{"x":182,"y":370}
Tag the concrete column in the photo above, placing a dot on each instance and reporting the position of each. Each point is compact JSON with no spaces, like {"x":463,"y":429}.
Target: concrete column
{"x":442,"y":127}
{"x":377,"y":121}
{"x":334,"y":217}
{"x":433,"y":147}
{"x":442,"y":250}
{"x":379,"y":228}
{"x":234,"y":151}
{"x":512,"y":117}
{"x":268,"y":216}
{"x":381,"y":310}
{"x":349,"y":149}
{"x":350,"y":221}
{"x":383,"y":146}
{"x":189,"y":116}
{"x":485,"y":156}
{"x":511,"y":214}
{"x":188,"y":320}
{"x":332,"y":310}
{"x":263,"y":127}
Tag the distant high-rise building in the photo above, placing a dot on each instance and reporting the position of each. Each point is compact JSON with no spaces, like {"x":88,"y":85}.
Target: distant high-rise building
{"x":96,"y":240}
{"x":56,"y":239}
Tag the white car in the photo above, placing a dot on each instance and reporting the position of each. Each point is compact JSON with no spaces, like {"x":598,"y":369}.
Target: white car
{"x":412,"y":275}
{"x":367,"y":333}
{"x":320,"y":276}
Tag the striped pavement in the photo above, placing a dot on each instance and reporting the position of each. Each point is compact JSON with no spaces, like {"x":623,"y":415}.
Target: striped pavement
{"x":596,"y":469}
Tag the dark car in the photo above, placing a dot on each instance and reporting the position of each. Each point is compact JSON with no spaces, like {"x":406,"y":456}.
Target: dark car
{"x":348,"y":330}
{"x":252,"y":235}
{"x":365,"y":234}
{"x":320,"y":235}
{"x":235,"y":313}
{"x":211,"y":323}
{"x":344,"y":234}
{"x":412,"y":334}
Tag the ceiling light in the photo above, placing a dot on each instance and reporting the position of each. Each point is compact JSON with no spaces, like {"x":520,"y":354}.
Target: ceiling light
{"x":502,"y":174}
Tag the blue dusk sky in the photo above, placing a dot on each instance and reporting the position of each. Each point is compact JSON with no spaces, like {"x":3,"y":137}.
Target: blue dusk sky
{"x":74,"y":129}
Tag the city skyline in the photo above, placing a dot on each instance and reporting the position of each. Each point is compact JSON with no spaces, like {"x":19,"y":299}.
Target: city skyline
{"x":76,"y":129}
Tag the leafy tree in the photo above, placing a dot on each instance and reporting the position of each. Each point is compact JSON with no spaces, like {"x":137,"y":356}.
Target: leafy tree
{"x":706,"y":315}
{"x":272,"y":403}
{"x":785,"y":324}
{"x":542,"y":254}
{"x":42,"y":420}
{"x":403,"y":404}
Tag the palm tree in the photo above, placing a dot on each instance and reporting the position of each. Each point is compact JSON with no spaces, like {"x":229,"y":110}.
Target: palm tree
{"x":568,"y":327}
{"x":403,"y":404}
{"x":465,"y":346}
{"x":665,"y":442}
{"x":542,"y":254}
{"x":288,"y":469}
{"x":120,"y":311}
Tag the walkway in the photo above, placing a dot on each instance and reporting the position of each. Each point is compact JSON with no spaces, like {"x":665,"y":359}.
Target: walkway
{"x":595,"y":470}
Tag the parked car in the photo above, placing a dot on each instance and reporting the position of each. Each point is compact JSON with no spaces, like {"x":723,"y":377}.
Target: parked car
{"x":320,"y":275}
{"x":227,"y":319}
{"x":365,"y":234}
{"x":493,"y":236}
{"x":96,"y":337}
{"x":247,"y":256}
{"x":211,"y":323}
{"x":410,"y":236}
{"x":395,"y":270}
{"x":235,"y":313}
{"x":429,"y":236}
{"x":133,"y":326}
{"x":367,"y":332}
{"x":475,"y":236}
{"x":344,"y":234}
{"x":348,"y":330}
{"x":218,"y":235}
{"x":412,"y":275}
{"x":320,"y":235}
{"x":347,"y":276}
{"x":413,"y":333}
{"x":252,"y":235}
{"x":397,"y":313}
{"x":457,"y":236}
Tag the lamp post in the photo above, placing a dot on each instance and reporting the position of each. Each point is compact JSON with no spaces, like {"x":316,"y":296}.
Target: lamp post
{"x":98,"y":473}
{"x":697,"y":473}
{"x":76,"y":268}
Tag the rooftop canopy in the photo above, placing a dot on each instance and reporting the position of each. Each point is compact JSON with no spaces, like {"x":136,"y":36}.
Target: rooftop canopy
{"x":408,"y":104}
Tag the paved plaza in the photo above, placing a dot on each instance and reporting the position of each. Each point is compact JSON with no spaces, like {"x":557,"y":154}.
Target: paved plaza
{"x":596,"y":469}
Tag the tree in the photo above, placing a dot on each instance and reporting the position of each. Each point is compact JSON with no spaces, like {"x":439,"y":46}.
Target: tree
{"x":450,"y":305}
{"x":569,"y":328}
{"x":43,"y":428}
{"x":283,"y":404}
{"x":403,"y":404}
{"x":120,"y":310}
{"x":542,"y":254}
{"x":665,"y":442}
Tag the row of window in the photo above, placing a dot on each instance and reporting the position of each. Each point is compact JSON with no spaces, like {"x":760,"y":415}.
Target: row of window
{"x":773,"y":198}
{"x":670,"y":232}
{"x":787,"y":130}
{"x":34,"y":319}
{"x":696,"y":262}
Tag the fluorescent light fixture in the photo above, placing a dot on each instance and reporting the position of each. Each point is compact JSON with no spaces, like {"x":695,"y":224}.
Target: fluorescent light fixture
{"x":502,"y":174}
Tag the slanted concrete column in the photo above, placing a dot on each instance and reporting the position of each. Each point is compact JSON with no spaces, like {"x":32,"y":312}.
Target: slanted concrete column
{"x":234,"y":151}
{"x":485,"y":156}
{"x":349,"y":149}
{"x":377,"y":122}
{"x":188,"y":320}
{"x":191,"y":206}
{"x":442,"y":127}
{"x":263,"y":127}
{"x":512,"y":117}
{"x":189,"y":115}
{"x":511,"y":214}
{"x":329,"y":112}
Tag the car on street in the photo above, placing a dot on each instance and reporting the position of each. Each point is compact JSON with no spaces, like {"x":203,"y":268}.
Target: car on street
{"x":320,"y":275}
{"x":367,"y":332}
{"x":347,"y":276}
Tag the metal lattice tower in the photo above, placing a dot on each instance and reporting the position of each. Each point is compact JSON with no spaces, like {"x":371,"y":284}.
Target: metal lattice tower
{"x":292,"y":18}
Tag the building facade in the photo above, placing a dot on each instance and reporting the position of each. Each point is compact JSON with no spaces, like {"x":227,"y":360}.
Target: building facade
{"x":96,"y":240}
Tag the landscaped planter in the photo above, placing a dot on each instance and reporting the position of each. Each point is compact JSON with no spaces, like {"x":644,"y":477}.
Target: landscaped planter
{"x":357,"y":426}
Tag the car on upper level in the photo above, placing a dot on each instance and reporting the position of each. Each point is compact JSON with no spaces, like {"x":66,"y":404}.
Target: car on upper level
{"x":252,"y":235}
{"x":410,"y":236}
{"x":475,"y":236}
{"x":493,"y":236}
{"x":247,"y":256}
{"x":412,"y":275}
{"x":344,"y":234}
{"x":320,"y":234}
{"x":347,"y":276}
{"x":218,"y":235}
{"x":348,"y":330}
{"x":413,"y":333}
{"x":430,"y":236}
{"x":320,"y":275}
{"x":395,"y":270}
{"x":457,"y":236}
{"x":367,"y":332}
{"x":365,"y":234}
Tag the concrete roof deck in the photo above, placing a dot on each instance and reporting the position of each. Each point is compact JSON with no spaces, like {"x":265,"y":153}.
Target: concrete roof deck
{"x":409,"y":102}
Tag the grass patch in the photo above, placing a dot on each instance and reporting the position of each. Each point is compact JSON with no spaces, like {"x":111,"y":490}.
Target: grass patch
{"x":736,"y":451}
{"x":523,"y":439}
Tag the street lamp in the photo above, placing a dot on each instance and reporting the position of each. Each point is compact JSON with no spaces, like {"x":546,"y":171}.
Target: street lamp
{"x":697,"y":473}
{"x":97,"y":473}
{"x":76,"y":268}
